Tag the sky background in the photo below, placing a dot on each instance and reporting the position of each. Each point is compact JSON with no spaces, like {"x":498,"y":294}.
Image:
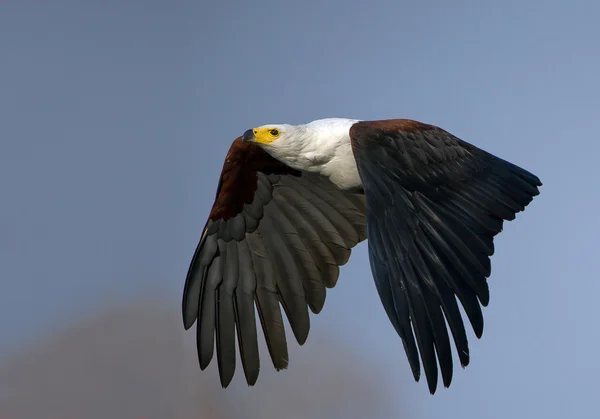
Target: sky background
{"x":117,"y":114}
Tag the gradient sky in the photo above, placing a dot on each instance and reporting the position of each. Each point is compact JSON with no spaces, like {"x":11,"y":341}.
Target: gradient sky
{"x":117,"y":114}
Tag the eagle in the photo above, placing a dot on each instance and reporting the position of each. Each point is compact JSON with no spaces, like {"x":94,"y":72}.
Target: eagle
{"x":294,"y":200}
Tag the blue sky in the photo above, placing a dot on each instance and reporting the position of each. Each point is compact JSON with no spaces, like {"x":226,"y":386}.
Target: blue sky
{"x":117,"y":115}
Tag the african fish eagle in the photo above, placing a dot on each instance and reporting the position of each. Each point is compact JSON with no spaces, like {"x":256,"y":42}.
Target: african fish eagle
{"x":293,"y":200}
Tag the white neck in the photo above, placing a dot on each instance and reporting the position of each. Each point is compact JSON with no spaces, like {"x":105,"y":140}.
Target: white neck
{"x":321,"y":146}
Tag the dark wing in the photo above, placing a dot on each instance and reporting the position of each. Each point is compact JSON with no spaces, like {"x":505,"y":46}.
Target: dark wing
{"x":274,"y":235}
{"x":434,"y":205}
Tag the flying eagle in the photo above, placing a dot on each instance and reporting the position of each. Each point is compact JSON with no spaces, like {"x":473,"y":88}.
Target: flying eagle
{"x":292,"y":202}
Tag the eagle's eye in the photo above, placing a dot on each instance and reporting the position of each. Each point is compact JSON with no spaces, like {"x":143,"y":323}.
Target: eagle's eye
{"x":274,"y":132}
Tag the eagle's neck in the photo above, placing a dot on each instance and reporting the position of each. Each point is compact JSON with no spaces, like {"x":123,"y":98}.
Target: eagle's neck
{"x":323,"y":146}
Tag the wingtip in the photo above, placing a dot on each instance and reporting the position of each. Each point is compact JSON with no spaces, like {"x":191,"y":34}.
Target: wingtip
{"x":251,"y":376}
{"x":432,"y":389}
{"x":432,"y":383}
{"x":204,"y":359}
{"x":301,"y":338}
{"x":251,"y":381}
{"x":416,"y":371}
{"x":447,"y":380}
{"x":225,"y":380}
{"x":479,"y":333}
{"x":464,"y":358}
{"x":187,"y":321}
{"x":484,"y":299}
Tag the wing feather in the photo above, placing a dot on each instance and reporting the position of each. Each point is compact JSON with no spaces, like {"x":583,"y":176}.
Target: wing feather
{"x":342,"y":204}
{"x":341,"y":226}
{"x":275,"y":238}
{"x":434,"y":205}
{"x":245,"y":314}
{"x":225,"y":314}
{"x":288,"y":274}
{"x":296,"y":235}
{"x":325,"y":270}
{"x":328,"y":234}
{"x":448,"y":300}
{"x":206,"y":326}
{"x":267,"y":301}
{"x":194,"y":284}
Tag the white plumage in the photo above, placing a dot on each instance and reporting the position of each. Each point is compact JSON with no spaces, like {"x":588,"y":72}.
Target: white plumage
{"x":321,"y":146}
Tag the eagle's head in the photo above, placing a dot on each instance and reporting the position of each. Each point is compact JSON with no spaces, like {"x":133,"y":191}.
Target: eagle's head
{"x":273,"y":135}
{"x":305,"y":146}
{"x":283,"y":141}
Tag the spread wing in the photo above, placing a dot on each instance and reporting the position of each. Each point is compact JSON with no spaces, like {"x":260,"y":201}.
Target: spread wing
{"x":434,"y":205}
{"x":274,"y":235}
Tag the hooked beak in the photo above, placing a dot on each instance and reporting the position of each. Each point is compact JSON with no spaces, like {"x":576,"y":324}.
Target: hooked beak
{"x":248,"y":136}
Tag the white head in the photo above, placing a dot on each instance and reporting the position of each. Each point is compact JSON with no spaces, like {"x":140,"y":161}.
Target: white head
{"x":275,"y":135}
{"x":285,"y":142}
{"x":321,"y":146}
{"x":290,"y":143}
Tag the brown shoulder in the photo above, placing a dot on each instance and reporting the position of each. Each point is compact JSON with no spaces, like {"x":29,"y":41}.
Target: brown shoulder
{"x":238,"y":181}
{"x":389,"y":125}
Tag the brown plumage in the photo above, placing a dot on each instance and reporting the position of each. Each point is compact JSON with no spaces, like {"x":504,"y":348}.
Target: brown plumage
{"x":238,"y":180}
{"x":390,"y":125}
